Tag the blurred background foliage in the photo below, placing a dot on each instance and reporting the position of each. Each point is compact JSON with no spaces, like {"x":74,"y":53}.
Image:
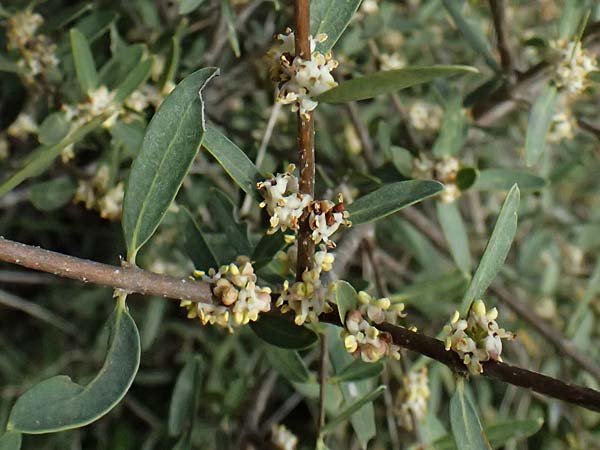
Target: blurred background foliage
{"x":71,"y":204}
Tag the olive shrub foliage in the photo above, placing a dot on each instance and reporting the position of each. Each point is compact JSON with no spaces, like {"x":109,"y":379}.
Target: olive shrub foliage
{"x":456,"y":175}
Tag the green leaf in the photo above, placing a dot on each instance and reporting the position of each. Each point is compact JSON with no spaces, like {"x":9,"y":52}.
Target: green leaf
{"x":402,"y":160}
{"x":54,"y":128}
{"x":455,"y":233}
{"x":233,"y":160}
{"x":466,"y":177}
{"x":473,"y":35}
{"x":195,"y":246}
{"x":58,"y":404}
{"x":504,"y":179}
{"x":288,"y":363}
{"x":44,"y":156}
{"x":227,"y":14}
{"x":357,"y":370}
{"x":267,"y":248}
{"x":454,"y":126}
{"x":391,"y":198}
{"x":389,"y":81}
{"x":331,"y":17}
{"x":153,"y":319}
{"x":188,"y":6}
{"x":591,"y":291}
{"x":570,"y":17}
{"x":281,"y":331}
{"x":540,"y":120}
{"x":496,"y":249}
{"x":498,"y":435}
{"x":6,"y":65}
{"x":84,"y":61}
{"x":466,"y":427}
{"x":345,"y":298}
{"x":10,"y":441}
{"x":134,"y":80}
{"x":170,"y":144}
{"x":346,"y":413}
{"x":226,"y":215}
{"x":170,"y":73}
{"x":363,"y":420}
{"x":182,"y":400}
{"x":120,"y":65}
{"x":52,"y":194}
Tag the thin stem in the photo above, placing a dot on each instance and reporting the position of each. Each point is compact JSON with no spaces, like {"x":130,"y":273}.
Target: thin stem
{"x":498,"y":9}
{"x":130,"y":279}
{"x":306,"y":246}
{"x":136,"y":280}
{"x":322,"y":383}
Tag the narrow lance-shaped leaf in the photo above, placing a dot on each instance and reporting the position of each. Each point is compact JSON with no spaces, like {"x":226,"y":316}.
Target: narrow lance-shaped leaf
{"x":10,"y":440}
{"x":346,"y":413}
{"x":331,"y":17}
{"x":473,"y":36}
{"x":389,"y":81}
{"x":504,"y":179}
{"x":195,"y":245}
{"x":466,"y":426}
{"x":59,"y":404}
{"x":134,"y":80}
{"x":170,"y":144}
{"x":455,"y":233}
{"x":540,"y":120}
{"x":233,"y":160}
{"x":391,"y":198}
{"x":280,"y":331}
{"x":498,"y":435}
{"x":345,"y":298}
{"x":288,"y":363}
{"x":182,"y":400}
{"x":84,"y":61}
{"x":496,"y":249}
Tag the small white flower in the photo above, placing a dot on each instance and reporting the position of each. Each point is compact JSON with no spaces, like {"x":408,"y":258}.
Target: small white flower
{"x":477,"y":338}
{"x":361,"y":338}
{"x":391,"y":61}
{"x":412,"y":398}
{"x":574,"y":66}
{"x":282,"y":438}
{"x":325,"y":219}
{"x":562,"y":127}
{"x":424,"y":116}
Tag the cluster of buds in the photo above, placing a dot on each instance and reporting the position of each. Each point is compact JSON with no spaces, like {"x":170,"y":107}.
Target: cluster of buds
{"x":283,"y":439}
{"x":424,"y":116}
{"x":391,"y":61}
{"x":574,"y":66}
{"x":562,"y":127}
{"x":99,"y":101}
{"x":307,"y":298}
{"x":22,"y":126}
{"x":301,"y":80}
{"x":380,"y":310}
{"x":284,"y":203}
{"x":412,"y":399}
{"x":239,"y":299}
{"x":95,"y":194}
{"x":362,"y":338}
{"x":38,"y":53}
{"x":477,"y":338}
{"x":444,"y":170}
{"x":325,"y":219}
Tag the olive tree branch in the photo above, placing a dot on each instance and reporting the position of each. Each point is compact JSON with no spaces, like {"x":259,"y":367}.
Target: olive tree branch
{"x":136,"y":280}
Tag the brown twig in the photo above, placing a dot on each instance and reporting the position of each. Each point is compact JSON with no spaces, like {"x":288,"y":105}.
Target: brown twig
{"x":129,"y":279}
{"x":143,"y":282}
{"x":498,"y":9}
{"x":306,"y":246}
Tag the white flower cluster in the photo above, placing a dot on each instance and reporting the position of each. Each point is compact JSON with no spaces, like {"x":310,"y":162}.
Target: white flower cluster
{"x":282,"y":438}
{"x":38,"y":53}
{"x":444,"y":170}
{"x":391,"y":61}
{"x":325,"y":219}
{"x":99,"y":101}
{"x":360,"y":337}
{"x":95,"y":194}
{"x":301,"y":80}
{"x":574,"y":66}
{"x":424,"y":116}
{"x":562,"y":127}
{"x":284,"y":203}
{"x":308,"y":298}
{"x":477,"y":338}
{"x":234,"y":287}
{"x":22,"y":126}
{"x":412,"y":398}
